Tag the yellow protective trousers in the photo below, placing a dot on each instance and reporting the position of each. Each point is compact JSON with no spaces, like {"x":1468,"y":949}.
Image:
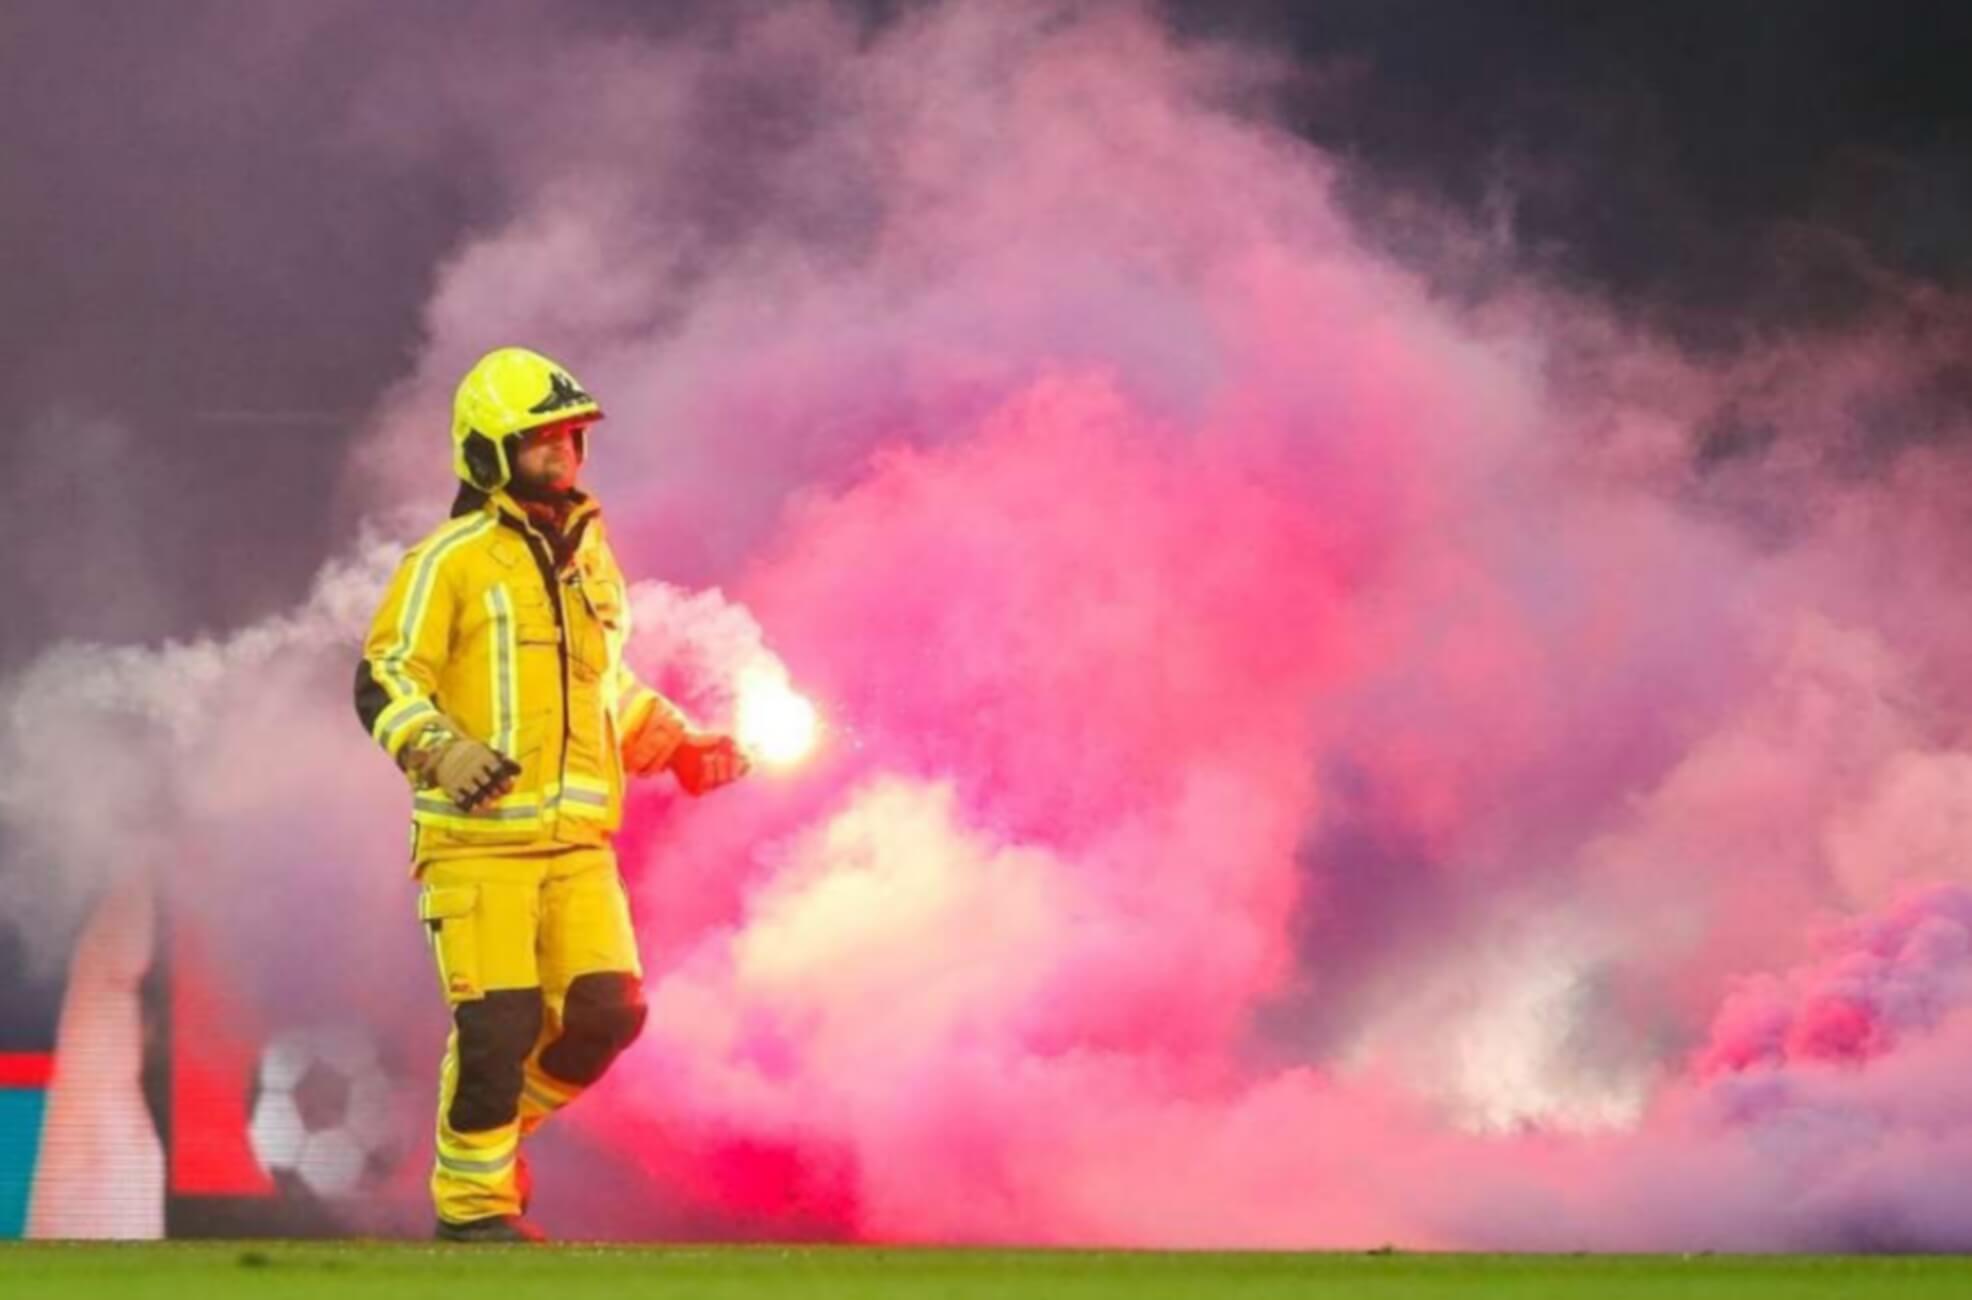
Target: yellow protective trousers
{"x":539,"y":966}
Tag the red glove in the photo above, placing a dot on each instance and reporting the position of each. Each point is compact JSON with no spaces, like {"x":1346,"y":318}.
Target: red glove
{"x":703,"y":763}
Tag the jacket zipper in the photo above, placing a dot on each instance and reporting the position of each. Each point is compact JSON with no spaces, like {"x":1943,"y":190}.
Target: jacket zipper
{"x":543,"y":554}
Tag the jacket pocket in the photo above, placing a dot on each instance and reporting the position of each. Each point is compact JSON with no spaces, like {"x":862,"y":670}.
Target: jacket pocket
{"x":604,"y":597}
{"x":534,"y":625}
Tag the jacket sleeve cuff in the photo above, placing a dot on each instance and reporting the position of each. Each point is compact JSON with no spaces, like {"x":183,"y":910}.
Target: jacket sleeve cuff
{"x":402,"y":720}
{"x":650,"y":726}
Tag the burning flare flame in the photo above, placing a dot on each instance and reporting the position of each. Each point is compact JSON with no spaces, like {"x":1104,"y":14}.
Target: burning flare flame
{"x":776,"y":724}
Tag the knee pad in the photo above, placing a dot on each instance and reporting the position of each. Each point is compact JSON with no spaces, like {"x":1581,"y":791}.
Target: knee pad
{"x":496,"y":1032}
{"x":602,"y":1015}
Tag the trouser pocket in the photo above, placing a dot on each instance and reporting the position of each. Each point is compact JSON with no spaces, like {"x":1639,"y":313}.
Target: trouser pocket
{"x":451,"y":917}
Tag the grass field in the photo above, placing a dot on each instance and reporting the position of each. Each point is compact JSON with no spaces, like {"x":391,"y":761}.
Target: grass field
{"x":221,"y":1270}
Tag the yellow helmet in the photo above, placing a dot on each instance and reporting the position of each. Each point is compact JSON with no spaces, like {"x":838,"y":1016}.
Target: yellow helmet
{"x":506,"y":393}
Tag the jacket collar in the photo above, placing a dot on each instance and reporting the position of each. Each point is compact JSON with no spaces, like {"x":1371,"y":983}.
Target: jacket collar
{"x":502,"y":503}
{"x":555,"y":552}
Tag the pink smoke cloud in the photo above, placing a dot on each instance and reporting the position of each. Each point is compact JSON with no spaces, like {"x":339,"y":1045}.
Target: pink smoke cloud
{"x":1221,"y":632}
{"x":1132,"y":653}
{"x":1900,"y":971}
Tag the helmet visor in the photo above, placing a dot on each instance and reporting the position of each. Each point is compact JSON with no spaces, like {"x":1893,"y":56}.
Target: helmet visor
{"x":576,"y":429}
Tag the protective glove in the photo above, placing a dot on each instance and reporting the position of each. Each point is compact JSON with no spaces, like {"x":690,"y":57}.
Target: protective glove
{"x":704,"y":762}
{"x":469,"y":772}
{"x":472,"y":773}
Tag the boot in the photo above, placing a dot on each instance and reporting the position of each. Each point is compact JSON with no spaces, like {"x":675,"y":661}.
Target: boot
{"x":508,"y":1229}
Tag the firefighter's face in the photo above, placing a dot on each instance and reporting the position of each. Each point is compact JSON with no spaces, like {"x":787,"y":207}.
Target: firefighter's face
{"x":550,"y":459}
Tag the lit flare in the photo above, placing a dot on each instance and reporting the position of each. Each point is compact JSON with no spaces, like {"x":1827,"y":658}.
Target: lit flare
{"x":776,"y":724}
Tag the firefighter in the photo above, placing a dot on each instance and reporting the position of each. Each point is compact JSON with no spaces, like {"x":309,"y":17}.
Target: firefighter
{"x":493,"y":674}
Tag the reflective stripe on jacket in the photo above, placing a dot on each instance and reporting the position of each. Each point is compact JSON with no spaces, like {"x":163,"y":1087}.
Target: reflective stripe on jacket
{"x":481,"y":624}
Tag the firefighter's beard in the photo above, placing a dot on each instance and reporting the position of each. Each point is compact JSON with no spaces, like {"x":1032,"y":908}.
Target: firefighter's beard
{"x":549,"y":494}
{"x":554,"y":492}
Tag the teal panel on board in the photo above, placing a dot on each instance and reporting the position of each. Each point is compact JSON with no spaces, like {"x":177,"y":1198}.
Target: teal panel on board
{"x":20,"y":1147}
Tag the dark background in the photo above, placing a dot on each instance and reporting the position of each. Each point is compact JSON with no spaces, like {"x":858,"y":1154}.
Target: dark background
{"x":207,"y":284}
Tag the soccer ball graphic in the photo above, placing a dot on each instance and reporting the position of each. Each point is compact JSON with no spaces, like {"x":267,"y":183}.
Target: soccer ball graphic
{"x":324,"y":1112}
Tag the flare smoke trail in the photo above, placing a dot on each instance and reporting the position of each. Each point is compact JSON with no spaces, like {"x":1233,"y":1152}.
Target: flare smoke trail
{"x":1319,"y":760}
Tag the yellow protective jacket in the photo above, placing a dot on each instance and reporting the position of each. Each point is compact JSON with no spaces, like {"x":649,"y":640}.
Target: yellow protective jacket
{"x":520,"y":643}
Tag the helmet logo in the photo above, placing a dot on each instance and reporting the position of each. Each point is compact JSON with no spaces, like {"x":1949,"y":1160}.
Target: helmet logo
{"x":562,"y":394}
